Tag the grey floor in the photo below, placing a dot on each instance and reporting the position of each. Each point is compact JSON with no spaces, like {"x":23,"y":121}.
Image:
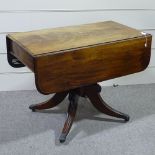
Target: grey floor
{"x":23,"y":132}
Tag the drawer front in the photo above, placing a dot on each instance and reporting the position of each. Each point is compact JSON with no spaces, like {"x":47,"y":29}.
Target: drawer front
{"x":14,"y":51}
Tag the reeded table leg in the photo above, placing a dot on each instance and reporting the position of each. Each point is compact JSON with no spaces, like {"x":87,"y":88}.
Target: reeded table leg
{"x":92,"y":92}
{"x":54,"y":101}
{"x":73,"y":98}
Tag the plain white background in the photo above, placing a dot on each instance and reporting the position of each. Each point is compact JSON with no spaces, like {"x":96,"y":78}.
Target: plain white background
{"x":27,"y":15}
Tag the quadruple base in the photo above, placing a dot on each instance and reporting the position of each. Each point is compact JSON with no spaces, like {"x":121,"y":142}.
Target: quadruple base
{"x":92,"y":92}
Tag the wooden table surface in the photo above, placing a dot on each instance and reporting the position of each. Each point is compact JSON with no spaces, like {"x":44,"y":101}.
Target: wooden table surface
{"x":70,"y":57}
{"x":71,"y":37}
{"x":71,"y":60}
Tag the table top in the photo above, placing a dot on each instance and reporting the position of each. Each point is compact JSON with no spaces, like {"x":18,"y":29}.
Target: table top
{"x":72,"y":37}
{"x":70,"y":57}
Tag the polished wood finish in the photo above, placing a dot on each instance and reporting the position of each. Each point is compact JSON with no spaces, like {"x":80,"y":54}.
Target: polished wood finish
{"x":71,"y":57}
{"x":14,"y":49}
{"x":54,"y":101}
{"x":91,"y":65}
{"x":99,"y":104}
{"x":54,"y":40}
{"x":12,"y":60}
{"x":73,"y":99}
{"x":92,"y":92}
{"x":71,"y":60}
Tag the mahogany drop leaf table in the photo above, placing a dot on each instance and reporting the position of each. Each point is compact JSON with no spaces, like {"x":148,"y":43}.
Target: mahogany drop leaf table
{"x":72,"y":60}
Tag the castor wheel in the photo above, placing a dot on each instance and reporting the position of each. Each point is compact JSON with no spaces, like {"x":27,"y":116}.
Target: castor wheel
{"x":32,"y":108}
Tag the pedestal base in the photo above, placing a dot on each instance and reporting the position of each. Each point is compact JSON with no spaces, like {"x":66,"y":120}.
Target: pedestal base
{"x":92,"y":92}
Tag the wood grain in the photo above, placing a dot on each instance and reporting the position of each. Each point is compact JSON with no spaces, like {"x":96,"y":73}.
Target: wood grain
{"x":63,"y":71}
{"x":71,"y":37}
{"x":81,"y":55}
{"x":20,"y":53}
